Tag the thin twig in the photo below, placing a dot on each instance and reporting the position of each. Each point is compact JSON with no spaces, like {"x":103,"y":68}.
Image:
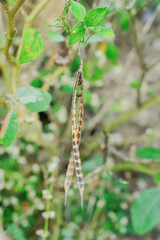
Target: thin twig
{"x":126,"y":116}
{"x":146,"y":4}
{"x":141,"y":60}
{"x":35,"y":12}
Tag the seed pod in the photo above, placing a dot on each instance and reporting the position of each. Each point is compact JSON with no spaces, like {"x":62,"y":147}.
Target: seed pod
{"x":74,"y":160}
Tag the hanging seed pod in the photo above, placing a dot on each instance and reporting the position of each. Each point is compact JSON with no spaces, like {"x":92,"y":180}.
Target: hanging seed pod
{"x":74,"y":160}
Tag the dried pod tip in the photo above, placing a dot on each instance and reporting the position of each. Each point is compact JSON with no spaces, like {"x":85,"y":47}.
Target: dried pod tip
{"x":66,"y":194}
{"x":81,"y":193}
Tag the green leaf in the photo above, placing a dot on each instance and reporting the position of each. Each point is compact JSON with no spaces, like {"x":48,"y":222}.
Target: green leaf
{"x":152,"y":94}
{"x":67,"y":88}
{"x":135,"y":84}
{"x":145,"y":211}
{"x":112,"y":52}
{"x":16,"y":232}
{"x":156,"y":178}
{"x":149,"y":153}
{"x":56,"y":37}
{"x":78,"y":10}
{"x":125,"y":20}
{"x":92,"y":163}
{"x":11,"y":2}
{"x":75,"y":64}
{"x":77,"y":33}
{"x":37,"y":82}
{"x":35,"y":99}
{"x":95,"y":16}
{"x":87,"y":97}
{"x":9,"y":129}
{"x":57,"y":21}
{"x":103,"y":31}
{"x":97,"y":74}
{"x":32,"y":47}
{"x":56,"y":107}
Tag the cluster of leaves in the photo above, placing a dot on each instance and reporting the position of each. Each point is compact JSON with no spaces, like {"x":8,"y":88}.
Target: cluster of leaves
{"x":91,"y":20}
{"x":33,"y":45}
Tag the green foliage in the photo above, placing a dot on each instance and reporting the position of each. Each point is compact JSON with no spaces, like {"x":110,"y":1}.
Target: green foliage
{"x":112,"y":52}
{"x":77,"y":33}
{"x":78,"y":10}
{"x":95,"y":16}
{"x":36,"y":100}
{"x":97,"y":74}
{"x":139,"y":4}
{"x":67,"y":88}
{"x":125,"y":20}
{"x":93,"y":162}
{"x":11,"y":2}
{"x":75,"y":64}
{"x":87,"y":97}
{"x":135,"y":84}
{"x":16,"y":232}
{"x":145,"y":211}
{"x":156,"y":178}
{"x":9,"y":129}
{"x":32,"y":47}
{"x":37,"y":82}
{"x":103,"y":31}
{"x":149,"y":153}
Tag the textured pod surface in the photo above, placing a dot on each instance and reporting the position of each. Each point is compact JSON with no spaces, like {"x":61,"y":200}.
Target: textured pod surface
{"x":74,"y":160}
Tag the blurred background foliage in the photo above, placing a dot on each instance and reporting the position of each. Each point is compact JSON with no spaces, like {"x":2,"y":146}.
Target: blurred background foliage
{"x":120,"y":139}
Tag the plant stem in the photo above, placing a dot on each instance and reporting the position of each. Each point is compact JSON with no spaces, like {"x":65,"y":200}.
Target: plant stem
{"x":47,"y":209}
{"x":35,"y":12}
{"x":11,"y":29}
{"x":11,"y":12}
{"x":47,"y":26}
{"x":64,"y":13}
{"x":141,"y":60}
{"x":133,"y":167}
{"x":79,"y":49}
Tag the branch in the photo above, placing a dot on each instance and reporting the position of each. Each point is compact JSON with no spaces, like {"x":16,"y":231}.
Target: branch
{"x":4,"y":3}
{"x":32,"y":16}
{"x":141,"y":60}
{"x":153,"y":65}
{"x":144,"y":6}
{"x":16,"y":7}
{"x":11,"y":29}
{"x":125,"y":166}
{"x":126,"y":116}
{"x":133,"y":167}
{"x":53,"y":77}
